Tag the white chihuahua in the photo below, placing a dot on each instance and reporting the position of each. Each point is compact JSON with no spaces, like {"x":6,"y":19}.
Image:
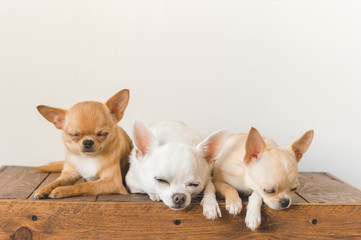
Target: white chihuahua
{"x":170,"y":162}
{"x":255,"y":165}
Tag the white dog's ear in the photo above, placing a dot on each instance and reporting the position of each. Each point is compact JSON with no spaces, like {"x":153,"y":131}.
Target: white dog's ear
{"x":255,"y":146}
{"x":300,"y":146}
{"x":143,"y":138}
{"x":212,"y":146}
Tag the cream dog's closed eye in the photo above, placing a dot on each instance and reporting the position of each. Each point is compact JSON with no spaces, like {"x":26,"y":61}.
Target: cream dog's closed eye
{"x":255,"y":165}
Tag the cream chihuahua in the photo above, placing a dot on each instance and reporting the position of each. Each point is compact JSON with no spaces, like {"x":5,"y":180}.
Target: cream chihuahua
{"x":170,"y":162}
{"x":256,"y":166}
{"x":96,"y":148}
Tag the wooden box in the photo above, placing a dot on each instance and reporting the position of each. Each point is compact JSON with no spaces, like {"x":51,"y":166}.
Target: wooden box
{"x":323,"y":208}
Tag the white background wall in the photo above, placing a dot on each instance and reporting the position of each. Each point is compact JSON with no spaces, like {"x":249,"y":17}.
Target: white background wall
{"x":281,"y":66}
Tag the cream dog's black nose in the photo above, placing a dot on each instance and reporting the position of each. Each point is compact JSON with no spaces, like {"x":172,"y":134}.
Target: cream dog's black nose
{"x":179,"y":198}
{"x":284,"y":202}
{"x":88,"y":143}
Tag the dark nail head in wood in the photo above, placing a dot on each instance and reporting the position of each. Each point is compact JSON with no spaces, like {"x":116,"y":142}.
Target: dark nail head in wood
{"x":314,"y":221}
{"x":177,"y":222}
{"x":34,"y":218}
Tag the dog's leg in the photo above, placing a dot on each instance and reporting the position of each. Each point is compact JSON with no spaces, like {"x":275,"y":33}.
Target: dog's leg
{"x":253,"y":215}
{"x":233,"y":201}
{"x":100,"y":186}
{"x":209,"y":202}
{"x":63,"y":180}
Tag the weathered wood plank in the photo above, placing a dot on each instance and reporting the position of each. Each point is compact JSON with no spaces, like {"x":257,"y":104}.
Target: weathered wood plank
{"x":19,"y":182}
{"x":321,"y":188}
{"x":297,"y":199}
{"x":51,"y":178}
{"x":340,"y":180}
{"x":2,"y":168}
{"x":114,"y":198}
{"x":144,"y":220}
{"x":136,"y":197}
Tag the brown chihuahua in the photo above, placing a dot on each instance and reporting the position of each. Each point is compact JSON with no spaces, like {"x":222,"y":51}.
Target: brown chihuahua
{"x":96,"y":148}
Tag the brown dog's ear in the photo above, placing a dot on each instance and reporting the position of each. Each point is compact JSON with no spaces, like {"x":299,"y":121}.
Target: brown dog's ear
{"x":212,"y":146}
{"x":144,"y":139}
{"x":54,"y":115}
{"x":255,"y":146}
{"x":300,"y":146}
{"x":118,"y":103}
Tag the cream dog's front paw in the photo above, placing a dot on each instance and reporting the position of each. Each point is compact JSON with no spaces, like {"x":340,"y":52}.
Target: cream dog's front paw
{"x":234,"y":207}
{"x":253,"y":220}
{"x":211,"y":208}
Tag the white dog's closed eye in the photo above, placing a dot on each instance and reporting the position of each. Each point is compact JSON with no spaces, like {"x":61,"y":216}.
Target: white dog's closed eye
{"x":173,"y":149}
{"x":161,"y":180}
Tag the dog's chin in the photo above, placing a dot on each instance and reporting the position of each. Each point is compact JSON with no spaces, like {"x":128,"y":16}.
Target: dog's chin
{"x":88,"y":151}
{"x":277,"y":207}
{"x":91,"y":150}
{"x":177,"y":208}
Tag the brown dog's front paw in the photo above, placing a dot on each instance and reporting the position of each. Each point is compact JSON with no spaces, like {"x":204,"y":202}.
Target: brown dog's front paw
{"x":58,"y":192}
{"x":39,"y":196}
{"x":42,"y":193}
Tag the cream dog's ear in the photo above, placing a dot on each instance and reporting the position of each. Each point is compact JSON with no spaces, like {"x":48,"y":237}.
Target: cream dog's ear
{"x":54,"y":115}
{"x":118,"y":103}
{"x":144,"y":139}
{"x":255,"y":146}
{"x":212,"y":146}
{"x":301,"y":145}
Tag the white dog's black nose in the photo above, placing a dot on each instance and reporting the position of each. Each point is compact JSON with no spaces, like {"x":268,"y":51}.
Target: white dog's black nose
{"x":179,"y":198}
{"x":88,"y":143}
{"x":284,"y":202}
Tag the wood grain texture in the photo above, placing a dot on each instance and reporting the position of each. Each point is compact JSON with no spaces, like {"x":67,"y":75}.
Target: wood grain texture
{"x":296,"y":198}
{"x":136,"y":197}
{"x":22,"y":233}
{"x":324,"y":188}
{"x":114,"y":198}
{"x":126,"y":220}
{"x":19,"y":182}
{"x":324,"y":208}
{"x":339,"y":180}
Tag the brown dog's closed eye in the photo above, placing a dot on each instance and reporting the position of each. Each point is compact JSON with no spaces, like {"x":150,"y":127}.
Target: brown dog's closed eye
{"x":95,"y":147}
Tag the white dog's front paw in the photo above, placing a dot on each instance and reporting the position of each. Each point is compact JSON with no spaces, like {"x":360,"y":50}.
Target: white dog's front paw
{"x":154,"y":197}
{"x":211,"y":209}
{"x":253,"y":220}
{"x":234,"y":207}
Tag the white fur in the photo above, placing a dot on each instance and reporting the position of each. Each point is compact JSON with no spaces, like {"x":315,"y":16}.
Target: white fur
{"x":174,"y":154}
{"x":210,"y":206}
{"x":86,"y":166}
{"x":253,"y":215}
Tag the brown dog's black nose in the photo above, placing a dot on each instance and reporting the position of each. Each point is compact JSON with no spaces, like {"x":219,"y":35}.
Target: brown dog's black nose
{"x":179,"y":198}
{"x":88,"y":143}
{"x":284,"y":202}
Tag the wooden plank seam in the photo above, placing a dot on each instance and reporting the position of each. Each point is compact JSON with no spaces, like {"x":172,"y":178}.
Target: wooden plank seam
{"x":38,"y":185}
